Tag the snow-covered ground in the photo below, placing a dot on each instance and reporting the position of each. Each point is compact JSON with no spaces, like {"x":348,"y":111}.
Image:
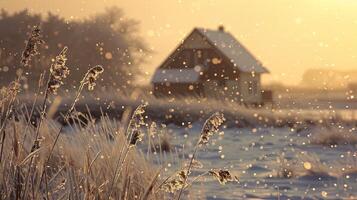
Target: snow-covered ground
{"x":256,"y":156}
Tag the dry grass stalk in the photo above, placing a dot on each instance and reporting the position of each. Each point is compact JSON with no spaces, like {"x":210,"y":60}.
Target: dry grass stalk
{"x":58,"y":71}
{"x":40,"y":84}
{"x":63,"y":72}
{"x":89,"y":79}
{"x":210,"y":127}
{"x":133,"y":135}
{"x":8,"y":95}
{"x":151,"y":186}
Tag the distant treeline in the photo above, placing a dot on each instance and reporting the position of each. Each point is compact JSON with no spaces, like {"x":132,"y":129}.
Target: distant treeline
{"x":109,"y":39}
{"x":329,"y":78}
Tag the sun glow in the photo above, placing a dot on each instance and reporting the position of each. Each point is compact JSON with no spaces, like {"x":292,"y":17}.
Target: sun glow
{"x":306,"y":33}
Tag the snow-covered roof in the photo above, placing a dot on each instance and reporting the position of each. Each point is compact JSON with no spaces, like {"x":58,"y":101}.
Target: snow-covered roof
{"x":176,"y":76}
{"x":233,"y":50}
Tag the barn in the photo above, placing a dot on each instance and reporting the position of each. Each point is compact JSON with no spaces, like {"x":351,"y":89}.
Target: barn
{"x":210,"y":64}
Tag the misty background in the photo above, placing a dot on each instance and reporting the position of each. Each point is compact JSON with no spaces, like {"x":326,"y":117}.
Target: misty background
{"x":289,"y":37}
{"x":106,"y":38}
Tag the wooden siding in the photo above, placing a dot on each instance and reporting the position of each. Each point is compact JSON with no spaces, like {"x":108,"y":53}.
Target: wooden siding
{"x":178,"y":89}
{"x":250,"y":88}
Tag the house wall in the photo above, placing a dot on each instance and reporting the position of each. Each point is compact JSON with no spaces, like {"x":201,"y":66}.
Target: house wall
{"x":233,"y":90}
{"x":178,"y":89}
{"x":247,"y":89}
{"x":230,"y":90}
{"x":212,"y":89}
{"x":222,"y":71}
{"x":250,"y":88}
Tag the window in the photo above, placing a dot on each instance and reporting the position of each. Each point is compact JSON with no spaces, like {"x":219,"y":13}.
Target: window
{"x":250,"y":87}
{"x":199,"y":57}
{"x":253,"y":87}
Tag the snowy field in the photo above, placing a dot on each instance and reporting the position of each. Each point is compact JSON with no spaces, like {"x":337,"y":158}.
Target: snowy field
{"x":258,"y":157}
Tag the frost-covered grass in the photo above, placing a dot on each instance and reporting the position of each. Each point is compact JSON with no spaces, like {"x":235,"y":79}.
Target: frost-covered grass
{"x":308,"y":166}
{"x":185,"y":109}
{"x":333,"y":136}
{"x":96,"y":161}
{"x":82,"y":165}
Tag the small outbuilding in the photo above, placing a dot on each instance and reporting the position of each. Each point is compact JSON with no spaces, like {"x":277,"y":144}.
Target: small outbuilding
{"x":212,"y":64}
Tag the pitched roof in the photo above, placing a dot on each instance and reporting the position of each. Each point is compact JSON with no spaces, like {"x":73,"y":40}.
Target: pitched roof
{"x":176,"y":76}
{"x":233,"y":50}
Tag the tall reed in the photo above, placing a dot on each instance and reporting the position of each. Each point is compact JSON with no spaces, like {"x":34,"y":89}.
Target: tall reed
{"x":6,"y":103}
{"x":89,"y":79}
{"x":133,"y":135}
{"x":11,"y":91}
{"x":210,"y":127}
{"x":58,"y":72}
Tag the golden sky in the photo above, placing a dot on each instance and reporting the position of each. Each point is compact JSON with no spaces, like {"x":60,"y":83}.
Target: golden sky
{"x":288,"y":36}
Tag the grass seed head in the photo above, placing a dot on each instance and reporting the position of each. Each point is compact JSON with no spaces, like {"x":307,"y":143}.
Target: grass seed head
{"x":182,"y":174}
{"x":153,"y":130}
{"x":37,"y":144}
{"x":137,"y":136}
{"x":136,"y":121}
{"x":177,"y":183}
{"x":32,"y":43}
{"x":211,"y":126}
{"x":9,"y":92}
{"x":195,"y":164}
{"x":58,"y":72}
{"x":92,"y":76}
{"x":173,"y":185}
{"x":223,"y":176}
